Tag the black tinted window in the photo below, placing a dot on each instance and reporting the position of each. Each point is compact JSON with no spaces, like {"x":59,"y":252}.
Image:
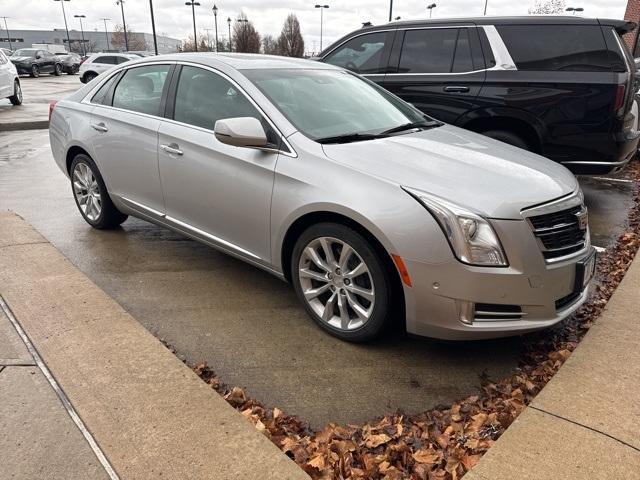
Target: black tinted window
{"x":362,"y":54}
{"x":204,"y":97}
{"x":577,"y":48}
{"x":140,"y":89}
{"x":107,"y":60}
{"x":119,"y":60}
{"x":462,"y":60}
{"x":429,"y":51}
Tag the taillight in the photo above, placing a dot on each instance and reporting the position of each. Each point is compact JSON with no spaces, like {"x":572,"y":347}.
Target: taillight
{"x":51,"y":107}
{"x":619,"y":101}
{"x":82,"y":60}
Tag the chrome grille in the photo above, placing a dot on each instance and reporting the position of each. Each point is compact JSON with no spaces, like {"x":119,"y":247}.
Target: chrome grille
{"x":560,"y":233}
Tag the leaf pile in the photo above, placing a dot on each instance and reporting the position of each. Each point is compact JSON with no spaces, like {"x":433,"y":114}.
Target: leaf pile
{"x":442,"y":443}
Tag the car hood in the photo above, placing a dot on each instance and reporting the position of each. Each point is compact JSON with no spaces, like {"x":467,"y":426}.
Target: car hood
{"x":485,"y":175}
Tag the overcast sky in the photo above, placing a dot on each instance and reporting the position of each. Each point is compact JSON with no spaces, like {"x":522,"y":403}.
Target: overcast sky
{"x":173,"y":17}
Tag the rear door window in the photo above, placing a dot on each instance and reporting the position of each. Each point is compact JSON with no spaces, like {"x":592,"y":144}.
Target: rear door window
{"x":433,"y":50}
{"x":140,"y":89}
{"x":108,"y":60}
{"x":574,"y":48}
{"x":362,"y":54}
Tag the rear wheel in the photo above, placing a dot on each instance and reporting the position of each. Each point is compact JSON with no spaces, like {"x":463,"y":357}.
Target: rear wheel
{"x":341,"y":282}
{"x":89,"y":76}
{"x":508,"y":137}
{"x":57,"y":70}
{"x":16,"y":98}
{"x":91,"y":196}
{"x":35,"y":71}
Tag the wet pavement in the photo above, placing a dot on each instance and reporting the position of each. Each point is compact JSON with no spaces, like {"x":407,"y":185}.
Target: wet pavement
{"x":248,"y":325}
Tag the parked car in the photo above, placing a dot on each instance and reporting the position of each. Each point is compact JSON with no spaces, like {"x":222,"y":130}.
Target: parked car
{"x":97,"y":63}
{"x":9,"y":81}
{"x":70,"y":62}
{"x":369,"y":207}
{"x":33,"y":62}
{"x":558,"y":86}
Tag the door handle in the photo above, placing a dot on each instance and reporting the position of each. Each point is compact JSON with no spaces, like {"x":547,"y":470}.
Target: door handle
{"x":172,"y":149}
{"x":458,"y":89}
{"x":101,"y":127}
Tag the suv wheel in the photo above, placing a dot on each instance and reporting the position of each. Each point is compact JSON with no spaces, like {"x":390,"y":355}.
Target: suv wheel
{"x":91,"y":196}
{"x":57,"y":70}
{"x":508,"y":137}
{"x":341,"y":282}
{"x":89,"y":76}
{"x":35,"y":71}
{"x":16,"y":98}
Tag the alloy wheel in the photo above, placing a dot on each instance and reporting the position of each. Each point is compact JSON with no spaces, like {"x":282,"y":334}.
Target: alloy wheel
{"x":17,"y":91}
{"x":336,"y":283}
{"x":35,"y":71}
{"x":87,"y":191}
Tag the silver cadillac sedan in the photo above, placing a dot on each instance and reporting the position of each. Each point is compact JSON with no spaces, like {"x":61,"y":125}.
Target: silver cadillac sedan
{"x":374,"y":212}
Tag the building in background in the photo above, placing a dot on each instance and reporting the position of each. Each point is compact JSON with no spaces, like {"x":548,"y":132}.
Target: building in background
{"x":94,"y":41}
{"x":632,"y":14}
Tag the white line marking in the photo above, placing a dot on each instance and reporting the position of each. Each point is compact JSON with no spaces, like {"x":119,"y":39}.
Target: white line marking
{"x":61,"y":395}
{"x":615,"y":180}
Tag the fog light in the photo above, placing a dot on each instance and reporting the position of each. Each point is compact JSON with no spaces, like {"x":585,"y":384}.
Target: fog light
{"x":466,"y":311}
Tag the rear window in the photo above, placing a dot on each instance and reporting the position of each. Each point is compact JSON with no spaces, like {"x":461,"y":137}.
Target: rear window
{"x":575,"y":48}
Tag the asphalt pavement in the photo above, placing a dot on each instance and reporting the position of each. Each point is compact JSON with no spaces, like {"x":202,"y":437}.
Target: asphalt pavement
{"x":248,"y":325}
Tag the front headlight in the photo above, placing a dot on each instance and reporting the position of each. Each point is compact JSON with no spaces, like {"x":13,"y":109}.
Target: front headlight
{"x":471,"y":237}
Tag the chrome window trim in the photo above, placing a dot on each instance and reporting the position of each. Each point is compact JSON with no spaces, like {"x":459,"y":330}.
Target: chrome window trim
{"x":86,"y":100}
{"x":499,"y":49}
{"x":622,"y":51}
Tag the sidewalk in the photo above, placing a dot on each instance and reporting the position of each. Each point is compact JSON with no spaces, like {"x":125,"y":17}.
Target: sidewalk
{"x":584,"y":423}
{"x":148,"y":413}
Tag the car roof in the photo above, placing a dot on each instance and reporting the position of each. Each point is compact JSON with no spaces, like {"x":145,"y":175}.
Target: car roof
{"x":240,"y":61}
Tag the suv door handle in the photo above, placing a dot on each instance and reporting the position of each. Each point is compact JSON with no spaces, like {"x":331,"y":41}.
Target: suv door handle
{"x":172,"y":148}
{"x":459,"y":89}
{"x":101,"y":127}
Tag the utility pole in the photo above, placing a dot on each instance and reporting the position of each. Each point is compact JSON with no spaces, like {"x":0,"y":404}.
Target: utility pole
{"x":193,"y":12}
{"x":485,"y":7}
{"x":8,"y":35}
{"x":390,"y":9}
{"x":229,"y":23}
{"x":124,"y":25}
{"x":84,"y":50}
{"x":66,"y":27}
{"x":106,"y":33}
{"x":215,"y":16}
{"x":153,"y":28}
{"x":321,"y":7}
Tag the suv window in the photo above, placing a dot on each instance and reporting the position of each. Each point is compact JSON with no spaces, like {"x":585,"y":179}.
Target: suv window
{"x":105,"y":59}
{"x":203,"y":97}
{"x":119,"y":60}
{"x":576,"y":48}
{"x":433,"y":50}
{"x":140,"y":89}
{"x":362,"y":54}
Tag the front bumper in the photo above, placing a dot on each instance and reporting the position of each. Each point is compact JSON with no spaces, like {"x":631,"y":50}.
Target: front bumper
{"x":23,"y":69}
{"x":545,"y":293}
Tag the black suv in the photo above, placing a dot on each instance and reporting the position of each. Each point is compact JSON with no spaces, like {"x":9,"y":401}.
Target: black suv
{"x":559,"y":86}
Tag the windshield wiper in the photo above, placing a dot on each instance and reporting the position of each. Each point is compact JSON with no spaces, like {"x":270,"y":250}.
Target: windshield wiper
{"x":411,"y":126}
{"x":350,"y":137}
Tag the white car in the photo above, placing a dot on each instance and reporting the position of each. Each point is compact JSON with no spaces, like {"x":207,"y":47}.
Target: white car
{"x":9,"y":81}
{"x":101,"y":62}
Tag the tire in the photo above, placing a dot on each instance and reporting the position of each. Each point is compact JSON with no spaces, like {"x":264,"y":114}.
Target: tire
{"x":85,"y":177}
{"x":89,"y":76}
{"x":16,"y":98}
{"x":338,"y":299}
{"x":35,"y":71}
{"x":508,"y":137}
{"x":57,"y":70}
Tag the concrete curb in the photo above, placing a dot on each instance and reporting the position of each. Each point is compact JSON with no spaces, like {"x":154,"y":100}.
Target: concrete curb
{"x":583,"y":424}
{"x":31,"y":125}
{"x":148,"y":412}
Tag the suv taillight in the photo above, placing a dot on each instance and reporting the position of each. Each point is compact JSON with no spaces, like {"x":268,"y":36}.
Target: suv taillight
{"x":83,"y":59}
{"x":52,"y":105}
{"x":618,"y":104}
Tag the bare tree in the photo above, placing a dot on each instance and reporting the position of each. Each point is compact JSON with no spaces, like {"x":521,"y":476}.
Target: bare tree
{"x":187,"y":45}
{"x":246,"y":38}
{"x":269,"y":45}
{"x":136,"y":40}
{"x":548,"y":7}
{"x":290,"y":41}
{"x":76,"y":46}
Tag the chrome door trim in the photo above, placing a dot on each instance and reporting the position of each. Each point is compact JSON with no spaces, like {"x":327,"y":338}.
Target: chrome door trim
{"x":190,"y":228}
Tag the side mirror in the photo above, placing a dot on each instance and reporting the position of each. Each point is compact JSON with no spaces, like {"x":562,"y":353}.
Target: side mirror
{"x":38,"y":56}
{"x":241,"y":132}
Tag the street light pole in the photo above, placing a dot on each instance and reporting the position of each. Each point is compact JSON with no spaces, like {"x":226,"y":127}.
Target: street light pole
{"x":66,"y":27}
{"x":485,"y":7}
{"x":7,"y":29}
{"x":84,"y":50}
{"x":390,"y":9}
{"x":215,"y":16}
{"x":321,"y":7}
{"x":124,"y":25}
{"x":193,"y":13}
{"x":430,"y":8}
{"x":229,"y":23}
{"x":106,"y":33}
{"x":153,"y":28}
{"x":208,"y":38}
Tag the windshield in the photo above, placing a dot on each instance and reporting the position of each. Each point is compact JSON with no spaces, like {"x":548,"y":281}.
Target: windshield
{"x":325,"y":104}
{"x":25,"y":52}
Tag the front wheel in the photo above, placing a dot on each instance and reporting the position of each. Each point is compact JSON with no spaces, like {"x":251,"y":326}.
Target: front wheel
{"x":341,"y":281}
{"x":16,"y":98}
{"x":57,"y":70}
{"x":91,"y":196}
